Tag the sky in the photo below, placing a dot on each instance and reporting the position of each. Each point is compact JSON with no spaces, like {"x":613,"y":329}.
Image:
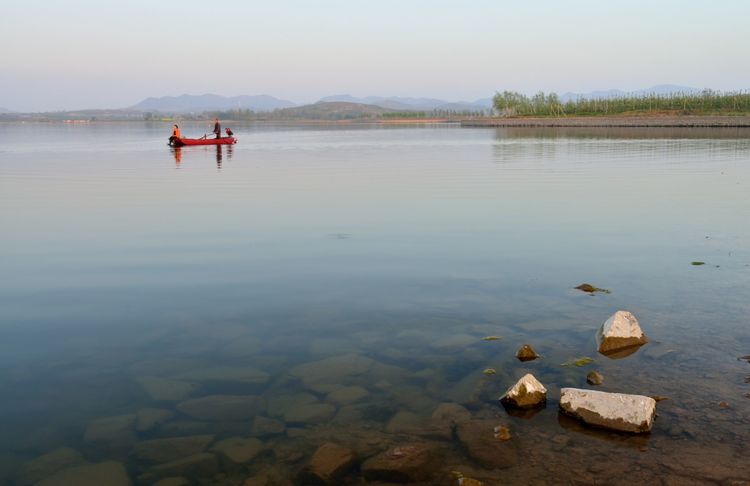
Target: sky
{"x":76,"y":54}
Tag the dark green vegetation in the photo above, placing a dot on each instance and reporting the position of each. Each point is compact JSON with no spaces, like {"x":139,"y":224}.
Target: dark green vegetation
{"x":697,"y":264}
{"x":707,"y":102}
{"x":584,"y":287}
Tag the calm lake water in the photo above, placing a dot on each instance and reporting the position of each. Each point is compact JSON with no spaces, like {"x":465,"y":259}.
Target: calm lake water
{"x":321,"y":284}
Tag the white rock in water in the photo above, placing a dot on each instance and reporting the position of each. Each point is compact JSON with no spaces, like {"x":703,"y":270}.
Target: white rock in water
{"x":526,"y":393}
{"x":619,"y":333}
{"x":617,"y":411}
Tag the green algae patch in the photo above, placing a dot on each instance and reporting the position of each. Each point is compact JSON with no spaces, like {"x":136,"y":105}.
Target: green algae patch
{"x":584,"y":287}
{"x":580,"y":361}
{"x":697,"y":264}
{"x":491,"y":338}
{"x":489,"y":371}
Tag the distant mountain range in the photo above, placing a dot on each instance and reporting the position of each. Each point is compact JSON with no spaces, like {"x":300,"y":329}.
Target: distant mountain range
{"x":5,"y":110}
{"x":192,"y":103}
{"x":263,"y":103}
{"x":413,"y":104}
{"x":659,"y":90}
{"x":330,"y":110}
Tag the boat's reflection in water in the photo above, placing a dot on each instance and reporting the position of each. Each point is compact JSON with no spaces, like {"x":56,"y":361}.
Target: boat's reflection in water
{"x":177,"y":154}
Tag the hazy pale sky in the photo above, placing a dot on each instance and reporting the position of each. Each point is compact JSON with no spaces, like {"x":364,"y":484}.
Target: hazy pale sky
{"x":93,"y":54}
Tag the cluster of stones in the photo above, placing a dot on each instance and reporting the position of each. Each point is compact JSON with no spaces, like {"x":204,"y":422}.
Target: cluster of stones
{"x":619,"y":336}
{"x":169,"y":444}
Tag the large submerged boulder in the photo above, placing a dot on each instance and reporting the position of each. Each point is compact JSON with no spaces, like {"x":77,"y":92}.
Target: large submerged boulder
{"x":620,"y":335}
{"x":406,"y":463}
{"x":329,"y":463}
{"x":486,"y":442}
{"x":528,"y":392}
{"x":616,"y":411}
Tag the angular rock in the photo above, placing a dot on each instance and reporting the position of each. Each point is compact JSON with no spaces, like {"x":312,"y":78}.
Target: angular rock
{"x":171,"y":449}
{"x":594,"y":378}
{"x":226,"y":408}
{"x":328,"y":464}
{"x":108,"y":473}
{"x":616,"y":411}
{"x":201,"y":465}
{"x":620,"y":335}
{"x":263,"y":426}
{"x":48,"y":464}
{"x":162,"y":389}
{"x":148,"y":418}
{"x":313,"y":413}
{"x":481,"y":442}
{"x":526,"y":353}
{"x":526,"y":393}
{"x":406,"y":463}
{"x":239,"y":449}
{"x":347,"y":395}
{"x":114,"y":431}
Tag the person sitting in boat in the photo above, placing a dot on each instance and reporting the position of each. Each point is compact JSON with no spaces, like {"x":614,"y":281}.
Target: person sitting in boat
{"x":176,"y":135}
{"x":229,"y":132}
{"x":217,"y":128}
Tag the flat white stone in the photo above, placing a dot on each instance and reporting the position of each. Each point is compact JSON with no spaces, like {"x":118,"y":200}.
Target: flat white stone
{"x":620,"y":331}
{"x":527,"y":392}
{"x":617,"y":411}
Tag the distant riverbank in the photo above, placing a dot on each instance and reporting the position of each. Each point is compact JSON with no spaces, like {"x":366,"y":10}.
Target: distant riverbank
{"x":613,"y":121}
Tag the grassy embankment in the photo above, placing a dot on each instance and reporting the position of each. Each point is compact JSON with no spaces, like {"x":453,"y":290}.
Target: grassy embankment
{"x":705,"y":103}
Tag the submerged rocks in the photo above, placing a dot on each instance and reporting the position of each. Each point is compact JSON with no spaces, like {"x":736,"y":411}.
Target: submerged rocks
{"x":171,"y":449}
{"x":226,"y":408}
{"x":238,"y":449}
{"x":451,"y":412}
{"x":594,"y":378}
{"x":201,"y":464}
{"x":332,"y":370}
{"x":526,"y":353}
{"x":480,"y":437}
{"x":528,"y":392}
{"x":163,"y":389}
{"x":311,"y":413}
{"x":48,"y":464}
{"x":114,"y":431}
{"x":328,"y":464}
{"x":616,"y":411}
{"x":620,"y":335}
{"x":149,"y":418}
{"x":108,"y":473}
{"x":347,"y":395}
{"x":406,"y":463}
{"x":263,"y":426}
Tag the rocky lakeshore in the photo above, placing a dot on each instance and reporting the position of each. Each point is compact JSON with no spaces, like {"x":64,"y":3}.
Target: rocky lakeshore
{"x":352,"y":418}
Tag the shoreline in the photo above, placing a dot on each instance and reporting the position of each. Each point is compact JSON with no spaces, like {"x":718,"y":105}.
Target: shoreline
{"x":686,"y":121}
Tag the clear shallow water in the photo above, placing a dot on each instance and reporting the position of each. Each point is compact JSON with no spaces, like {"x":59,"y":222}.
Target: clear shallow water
{"x":397,"y":248}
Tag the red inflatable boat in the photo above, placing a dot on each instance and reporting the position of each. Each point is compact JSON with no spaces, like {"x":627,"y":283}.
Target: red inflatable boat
{"x":203,"y":141}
